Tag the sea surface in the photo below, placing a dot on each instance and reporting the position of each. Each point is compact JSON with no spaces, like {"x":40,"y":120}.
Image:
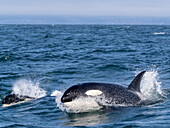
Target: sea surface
{"x":37,"y":60}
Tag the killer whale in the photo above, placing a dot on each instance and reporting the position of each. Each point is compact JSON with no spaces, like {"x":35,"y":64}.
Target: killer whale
{"x":13,"y":99}
{"x":103,"y":94}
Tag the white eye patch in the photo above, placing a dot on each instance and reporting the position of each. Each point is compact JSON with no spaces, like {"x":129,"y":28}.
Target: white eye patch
{"x":93,"y":92}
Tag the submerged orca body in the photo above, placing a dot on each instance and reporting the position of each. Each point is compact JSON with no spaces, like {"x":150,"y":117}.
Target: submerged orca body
{"x":104,"y":94}
{"x":15,"y":99}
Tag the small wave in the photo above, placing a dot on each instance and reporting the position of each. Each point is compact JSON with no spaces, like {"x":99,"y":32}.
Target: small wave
{"x":159,"y":33}
{"x":26,"y":87}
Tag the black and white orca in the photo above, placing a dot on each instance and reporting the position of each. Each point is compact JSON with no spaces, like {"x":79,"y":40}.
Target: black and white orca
{"x":13,"y":99}
{"x":97,"y":95}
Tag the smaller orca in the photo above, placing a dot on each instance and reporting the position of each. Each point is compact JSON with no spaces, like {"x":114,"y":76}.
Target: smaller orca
{"x":97,"y":95}
{"x":13,"y":99}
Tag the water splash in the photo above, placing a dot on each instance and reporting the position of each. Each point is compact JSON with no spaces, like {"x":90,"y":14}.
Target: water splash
{"x":26,"y":87}
{"x":150,"y":85}
{"x":58,"y":95}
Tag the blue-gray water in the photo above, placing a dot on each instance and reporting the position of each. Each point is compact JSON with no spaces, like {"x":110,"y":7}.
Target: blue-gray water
{"x":58,"y":56}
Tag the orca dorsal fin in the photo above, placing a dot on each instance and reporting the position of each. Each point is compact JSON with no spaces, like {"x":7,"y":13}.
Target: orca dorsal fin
{"x":135,"y":84}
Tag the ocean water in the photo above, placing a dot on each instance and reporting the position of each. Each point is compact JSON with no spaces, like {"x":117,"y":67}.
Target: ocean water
{"x":40,"y":60}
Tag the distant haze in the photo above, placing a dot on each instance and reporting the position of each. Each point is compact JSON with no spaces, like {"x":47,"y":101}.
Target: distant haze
{"x":86,"y":8}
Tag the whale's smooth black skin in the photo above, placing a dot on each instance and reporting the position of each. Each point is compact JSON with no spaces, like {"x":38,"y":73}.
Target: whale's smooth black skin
{"x":14,"y":98}
{"x":111,"y":93}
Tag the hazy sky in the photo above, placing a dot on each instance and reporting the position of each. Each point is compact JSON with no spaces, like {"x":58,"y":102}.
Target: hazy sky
{"x":158,"y":8}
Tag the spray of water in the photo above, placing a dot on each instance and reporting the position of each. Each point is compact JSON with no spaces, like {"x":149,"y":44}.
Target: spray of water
{"x":26,"y":87}
{"x":150,"y":85}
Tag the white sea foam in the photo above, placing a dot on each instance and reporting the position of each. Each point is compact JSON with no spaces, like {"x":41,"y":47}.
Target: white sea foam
{"x":58,"y":95}
{"x":159,"y":33}
{"x":29,"y":88}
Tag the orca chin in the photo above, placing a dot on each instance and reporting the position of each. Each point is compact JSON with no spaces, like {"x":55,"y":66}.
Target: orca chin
{"x":103,"y":94}
{"x":13,"y":99}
